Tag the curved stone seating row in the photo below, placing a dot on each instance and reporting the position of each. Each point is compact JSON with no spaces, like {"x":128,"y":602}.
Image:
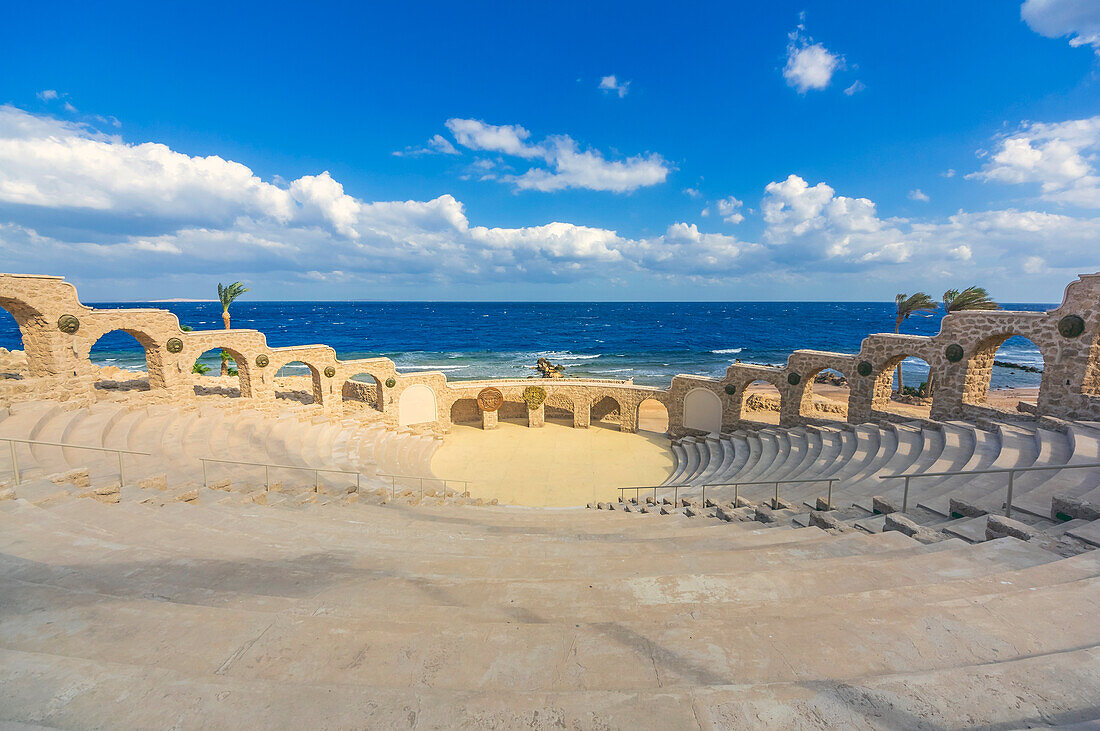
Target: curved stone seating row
{"x":177,"y":438}
{"x":361,"y":614}
{"x":856,"y":457}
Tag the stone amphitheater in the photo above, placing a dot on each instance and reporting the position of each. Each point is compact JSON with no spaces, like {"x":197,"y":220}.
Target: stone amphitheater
{"x":275,"y":554}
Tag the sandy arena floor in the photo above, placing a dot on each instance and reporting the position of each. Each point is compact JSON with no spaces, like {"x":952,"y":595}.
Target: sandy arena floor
{"x":555,"y":466}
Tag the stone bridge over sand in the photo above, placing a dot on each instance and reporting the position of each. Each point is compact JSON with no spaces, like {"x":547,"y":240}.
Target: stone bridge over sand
{"x":58,"y":333}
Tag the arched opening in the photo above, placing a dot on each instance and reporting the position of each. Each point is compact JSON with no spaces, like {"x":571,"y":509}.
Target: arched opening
{"x":1004,"y":371}
{"x":24,"y":327}
{"x":298,"y":381}
{"x":558,"y":408}
{"x":13,"y":358}
{"x":606,"y":413}
{"x":127,"y":360}
{"x":417,"y":405}
{"x":652,"y":416}
{"x":207,"y":377}
{"x":912,"y":396}
{"x":513,"y":410}
{"x":465,"y":411}
{"x":703,"y":410}
{"x":760,"y":402}
{"x":364,"y":389}
{"x":825,"y":396}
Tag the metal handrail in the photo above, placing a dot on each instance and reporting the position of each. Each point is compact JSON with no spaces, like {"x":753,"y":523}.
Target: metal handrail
{"x":654,"y":488}
{"x":15,"y":460}
{"x":994,"y":471}
{"x":737,"y":487}
{"x":267,"y":471}
{"x":395,"y":478}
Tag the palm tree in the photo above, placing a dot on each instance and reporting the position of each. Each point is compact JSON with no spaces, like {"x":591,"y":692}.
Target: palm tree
{"x":915,"y":304}
{"x":227,"y":295}
{"x":971,"y":298}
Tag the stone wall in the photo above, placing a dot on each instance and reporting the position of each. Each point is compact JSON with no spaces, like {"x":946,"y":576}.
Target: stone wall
{"x":58,"y":333}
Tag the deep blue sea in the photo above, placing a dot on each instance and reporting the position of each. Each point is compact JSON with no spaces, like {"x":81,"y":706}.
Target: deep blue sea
{"x":650,"y":342}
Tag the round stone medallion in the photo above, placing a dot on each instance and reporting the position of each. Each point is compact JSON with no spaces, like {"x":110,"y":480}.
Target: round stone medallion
{"x":391,"y":382}
{"x":865,"y":368}
{"x":174,"y":345}
{"x":730,"y":389}
{"x":1071,"y":326}
{"x":534,"y":396}
{"x":794,"y":379}
{"x":68,"y":324}
{"x":953,"y":353}
{"x":262,"y":361}
{"x":330,"y":371}
{"x":490,"y":399}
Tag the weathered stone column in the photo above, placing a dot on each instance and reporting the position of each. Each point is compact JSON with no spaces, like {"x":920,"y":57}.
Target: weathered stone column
{"x":489,"y":420}
{"x":536,"y":417}
{"x":582,"y":415}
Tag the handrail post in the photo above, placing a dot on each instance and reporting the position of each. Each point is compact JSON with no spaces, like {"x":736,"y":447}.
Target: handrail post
{"x":267,"y":478}
{"x":676,"y":496}
{"x":205,"y":482}
{"x":654,"y":494}
{"x":357,"y":483}
{"x":14,"y":462}
{"x":121,"y":472}
{"x":704,"y":497}
{"x":905,"y":496}
{"x":316,"y":481}
{"x":736,"y":497}
{"x":776,"y":503}
{"x":422,"y":488}
{"x":1008,"y":500}
{"x":829,"y":499}
{"x":393,"y":487}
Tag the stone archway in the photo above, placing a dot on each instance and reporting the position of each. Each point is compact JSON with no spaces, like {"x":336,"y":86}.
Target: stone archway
{"x":111,"y":346}
{"x":292,"y":371}
{"x":980,"y":366}
{"x":833,"y":404}
{"x":33,"y":333}
{"x":653,"y":416}
{"x":363,"y":388}
{"x":606,"y":412}
{"x":703,"y":410}
{"x":417,"y":405}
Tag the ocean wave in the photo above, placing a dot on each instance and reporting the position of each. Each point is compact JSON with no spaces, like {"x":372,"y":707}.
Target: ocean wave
{"x":564,"y":355}
{"x":726,"y":351}
{"x":431,"y":367}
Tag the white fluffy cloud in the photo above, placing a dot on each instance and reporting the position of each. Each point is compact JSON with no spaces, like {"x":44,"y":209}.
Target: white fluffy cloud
{"x":730,"y":210}
{"x":918,"y":195}
{"x":1079,"y":20}
{"x":107,"y":209}
{"x":437,"y":145}
{"x":567,"y":166}
{"x":810,"y":65}
{"x":1060,"y":157}
{"x":613,"y":85}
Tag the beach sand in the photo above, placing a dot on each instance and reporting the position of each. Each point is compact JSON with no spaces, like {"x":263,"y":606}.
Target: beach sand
{"x":555,"y":466}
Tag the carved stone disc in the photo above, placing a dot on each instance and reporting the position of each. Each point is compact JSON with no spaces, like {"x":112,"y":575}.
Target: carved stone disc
{"x":490,"y":399}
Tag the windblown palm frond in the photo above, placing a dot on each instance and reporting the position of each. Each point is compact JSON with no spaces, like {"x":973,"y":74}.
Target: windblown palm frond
{"x":971,"y":298}
{"x":912,"y":304}
{"x":227,"y":294}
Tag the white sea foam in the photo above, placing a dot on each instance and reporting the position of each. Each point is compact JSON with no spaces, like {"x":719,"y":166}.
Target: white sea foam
{"x":430,"y":367}
{"x":726,"y":351}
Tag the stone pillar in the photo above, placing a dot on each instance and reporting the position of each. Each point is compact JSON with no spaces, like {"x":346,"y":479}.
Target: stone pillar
{"x":790,"y":406}
{"x":489,"y":420}
{"x":628,"y":417}
{"x":536,"y":417}
{"x":582,"y":415}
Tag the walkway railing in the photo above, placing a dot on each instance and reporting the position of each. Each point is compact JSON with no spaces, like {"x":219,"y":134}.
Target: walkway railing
{"x":15,"y":458}
{"x":395,"y":478}
{"x":267,"y":471}
{"x":675,"y":491}
{"x":737,"y":487}
{"x":1011,"y":471}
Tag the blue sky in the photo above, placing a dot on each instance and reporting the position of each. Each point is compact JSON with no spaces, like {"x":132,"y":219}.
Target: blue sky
{"x":727,"y":151}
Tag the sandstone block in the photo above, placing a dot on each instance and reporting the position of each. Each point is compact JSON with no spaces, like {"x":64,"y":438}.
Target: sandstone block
{"x":902,"y":524}
{"x":186,"y":496}
{"x":781,"y":504}
{"x":1064,"y":507}
{"x":998,"y":526}
{"x":724,"y":514}
{"x":603,"y":506}
{"x":744,"y":502}
{"x":79,"y":478}
{"x":650,"y":501}
{"x":963,"y":509}
{"x":690,"y":512}
{"x":154,"y":482}
{"x":220,"y":485}
{"x":823,"y":504}
{"x":709,"y":503}
{"x":764,"y":514}
{"x":668,"y":510}
{"x":591,"y":506}
{"x":826,"y":521}
{"x":687,"y":502}
{"x":7,"y":493}
{"x":882,"y":506}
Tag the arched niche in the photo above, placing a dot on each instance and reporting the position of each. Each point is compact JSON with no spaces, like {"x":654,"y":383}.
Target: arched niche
{"x":417,"y":405}
{"x":703,"y":410}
